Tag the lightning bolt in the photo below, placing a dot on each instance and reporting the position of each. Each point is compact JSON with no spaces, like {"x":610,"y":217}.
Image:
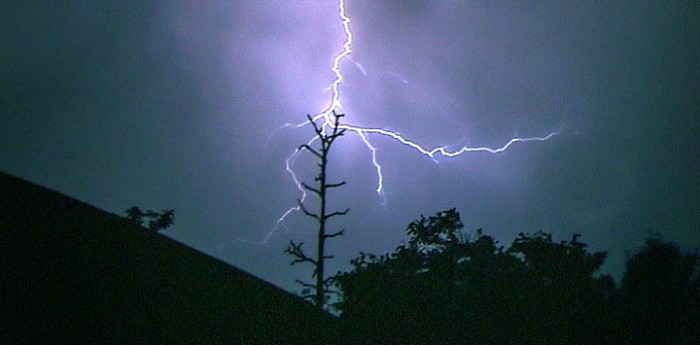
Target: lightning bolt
{"x":327,"y":119}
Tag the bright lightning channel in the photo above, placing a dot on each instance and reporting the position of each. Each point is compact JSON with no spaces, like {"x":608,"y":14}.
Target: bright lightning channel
{"x":327,"y":119}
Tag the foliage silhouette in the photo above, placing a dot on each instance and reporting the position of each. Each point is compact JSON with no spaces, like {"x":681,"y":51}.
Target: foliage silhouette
{"x":322,"y":285}
{"x":661,"y":295}
{"x":157,"y":221}
{"x":445,"y":287}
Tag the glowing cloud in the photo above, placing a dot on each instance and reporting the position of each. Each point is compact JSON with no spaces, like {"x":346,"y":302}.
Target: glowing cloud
{"x":327,"y":119}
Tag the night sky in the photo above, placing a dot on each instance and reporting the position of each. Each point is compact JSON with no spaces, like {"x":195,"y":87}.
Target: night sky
{"x":180,"y":104}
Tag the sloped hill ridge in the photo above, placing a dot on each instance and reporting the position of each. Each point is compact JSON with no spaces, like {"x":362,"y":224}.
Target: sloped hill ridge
{"x":72,"y":273}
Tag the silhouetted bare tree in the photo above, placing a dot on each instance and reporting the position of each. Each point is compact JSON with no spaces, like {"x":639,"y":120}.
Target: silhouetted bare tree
{"x":322,"y":284}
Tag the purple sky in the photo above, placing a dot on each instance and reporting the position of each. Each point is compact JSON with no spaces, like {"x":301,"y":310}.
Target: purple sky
{"x":178,"y":105}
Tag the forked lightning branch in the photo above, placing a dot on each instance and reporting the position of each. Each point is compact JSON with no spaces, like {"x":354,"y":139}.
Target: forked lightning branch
{"x":326,"y":119}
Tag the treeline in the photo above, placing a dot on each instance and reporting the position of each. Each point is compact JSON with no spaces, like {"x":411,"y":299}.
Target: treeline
{"x":444,"y":287}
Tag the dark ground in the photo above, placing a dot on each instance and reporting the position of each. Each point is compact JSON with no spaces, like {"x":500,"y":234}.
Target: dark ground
{"x":72,"y":273}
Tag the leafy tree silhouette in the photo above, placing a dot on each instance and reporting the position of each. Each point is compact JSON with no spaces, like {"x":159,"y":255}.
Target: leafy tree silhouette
{"x":661,"y":295}
{"x":444,"y":287}
{"x":569,"y":300}
{"x":322,"y":285}
{"x":156,"y":221}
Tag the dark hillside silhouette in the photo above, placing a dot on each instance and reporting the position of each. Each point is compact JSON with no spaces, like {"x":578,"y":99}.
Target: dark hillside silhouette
{"x":72,"y":273}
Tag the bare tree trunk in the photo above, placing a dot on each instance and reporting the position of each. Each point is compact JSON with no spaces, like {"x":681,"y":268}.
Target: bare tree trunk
{"x":326,"y":140}
{"x":320,"y":288}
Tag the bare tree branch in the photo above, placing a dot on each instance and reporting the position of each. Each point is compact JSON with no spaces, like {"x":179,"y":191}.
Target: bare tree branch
{"x":335,"y":185}
{"x":296,"y":251}
{"x":318,"y":130}
{"x":308,"y":148}
{"x":306,"y":212}
{"x":331,"y":138}
{"x":337,"y":293}
{"x":337,"y":213}
{"x":339,"y":233}
{"x":310,"y":296}
{"x":307,"y":285}
{"x":307,"y":187}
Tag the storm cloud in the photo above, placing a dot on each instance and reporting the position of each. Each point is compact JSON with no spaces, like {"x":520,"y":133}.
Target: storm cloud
{"x":182,"y":105}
